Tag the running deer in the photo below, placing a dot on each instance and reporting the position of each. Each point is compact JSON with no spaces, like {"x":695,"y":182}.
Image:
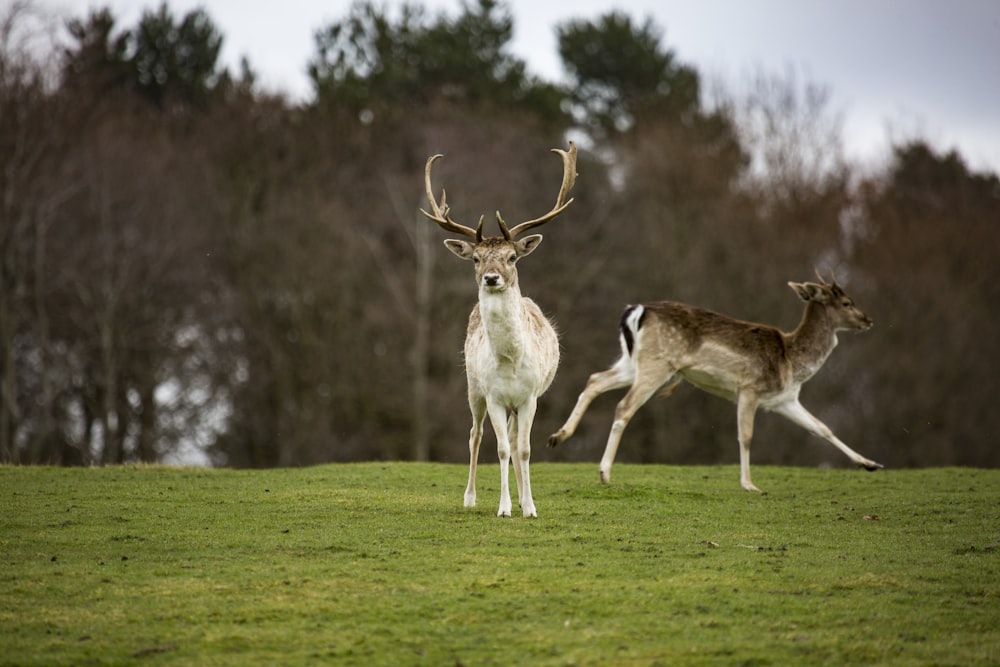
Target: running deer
{"x":753,"y":365}
{"x":511,"y":349}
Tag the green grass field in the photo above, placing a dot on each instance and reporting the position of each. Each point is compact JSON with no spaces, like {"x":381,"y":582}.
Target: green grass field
{"x":379,"y":564}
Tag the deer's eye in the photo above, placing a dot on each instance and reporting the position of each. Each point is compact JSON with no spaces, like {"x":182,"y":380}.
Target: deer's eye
{"x":511,"y":259}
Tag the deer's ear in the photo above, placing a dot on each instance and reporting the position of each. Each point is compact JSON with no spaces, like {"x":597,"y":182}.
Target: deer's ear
{"x":527,"y":245}
{"x":461,"y":249}
{"x":809,"y":291}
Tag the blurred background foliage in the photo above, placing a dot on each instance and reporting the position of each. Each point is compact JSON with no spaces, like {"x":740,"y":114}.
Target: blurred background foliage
{"x":195,"y":270}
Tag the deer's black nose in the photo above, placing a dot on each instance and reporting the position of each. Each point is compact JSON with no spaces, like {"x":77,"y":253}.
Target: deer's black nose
{"x":491,"y":279}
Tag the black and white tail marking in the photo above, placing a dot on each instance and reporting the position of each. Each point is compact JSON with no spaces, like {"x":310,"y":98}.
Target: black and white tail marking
{"x":630,"y":324}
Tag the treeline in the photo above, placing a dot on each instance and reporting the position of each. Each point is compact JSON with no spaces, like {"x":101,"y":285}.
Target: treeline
{"x":194,"y":268}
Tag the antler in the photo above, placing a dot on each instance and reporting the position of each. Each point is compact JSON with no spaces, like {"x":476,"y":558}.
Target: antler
{"x":442,"y":211}
{"x":569,"y":178}
{"x":834,"y":287}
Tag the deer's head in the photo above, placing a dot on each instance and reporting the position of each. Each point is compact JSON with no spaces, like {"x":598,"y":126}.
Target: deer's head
{"x":495,"y":258}
{"x":838,"y":306}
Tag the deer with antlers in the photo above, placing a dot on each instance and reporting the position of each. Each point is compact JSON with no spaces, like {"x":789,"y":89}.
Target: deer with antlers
{"x":753,"y":365}
{"x":511,"y":349}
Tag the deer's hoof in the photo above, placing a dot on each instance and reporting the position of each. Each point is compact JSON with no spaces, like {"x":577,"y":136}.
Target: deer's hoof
{"x":871,"y":466}
{"x":555,"y":439}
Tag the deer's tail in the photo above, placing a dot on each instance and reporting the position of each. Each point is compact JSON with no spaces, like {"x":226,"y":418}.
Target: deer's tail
{"x":629,"y":327}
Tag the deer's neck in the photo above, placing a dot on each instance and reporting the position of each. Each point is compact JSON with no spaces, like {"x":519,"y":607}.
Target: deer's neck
{"x":503,"y":322}
{"x":811,"y":342}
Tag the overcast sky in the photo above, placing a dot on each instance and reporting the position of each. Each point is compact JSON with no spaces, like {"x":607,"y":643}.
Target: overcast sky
{"x":893,"y":68}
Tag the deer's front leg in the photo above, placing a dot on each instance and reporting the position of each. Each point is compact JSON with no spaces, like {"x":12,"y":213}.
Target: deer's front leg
{"x":525,"y":417}
{"x":515,"y":459}
{"x":498,"y":417}
{"x":799,"y":415}
{"x":746,"y":407}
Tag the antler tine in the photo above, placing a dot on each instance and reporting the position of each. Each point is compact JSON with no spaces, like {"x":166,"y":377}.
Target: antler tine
{"x":822,"y":280}
{"x":837,"y":289}
{"x":834,"y":287}
{"x":441,"y":212}
{"x":569,"y":178}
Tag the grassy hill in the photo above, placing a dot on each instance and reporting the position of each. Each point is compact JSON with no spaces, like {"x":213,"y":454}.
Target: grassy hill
{"x":379,"y":564}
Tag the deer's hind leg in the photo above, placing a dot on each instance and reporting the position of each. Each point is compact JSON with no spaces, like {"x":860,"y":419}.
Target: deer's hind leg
{"x":648,"y":380}
{"x":478,"y":408}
